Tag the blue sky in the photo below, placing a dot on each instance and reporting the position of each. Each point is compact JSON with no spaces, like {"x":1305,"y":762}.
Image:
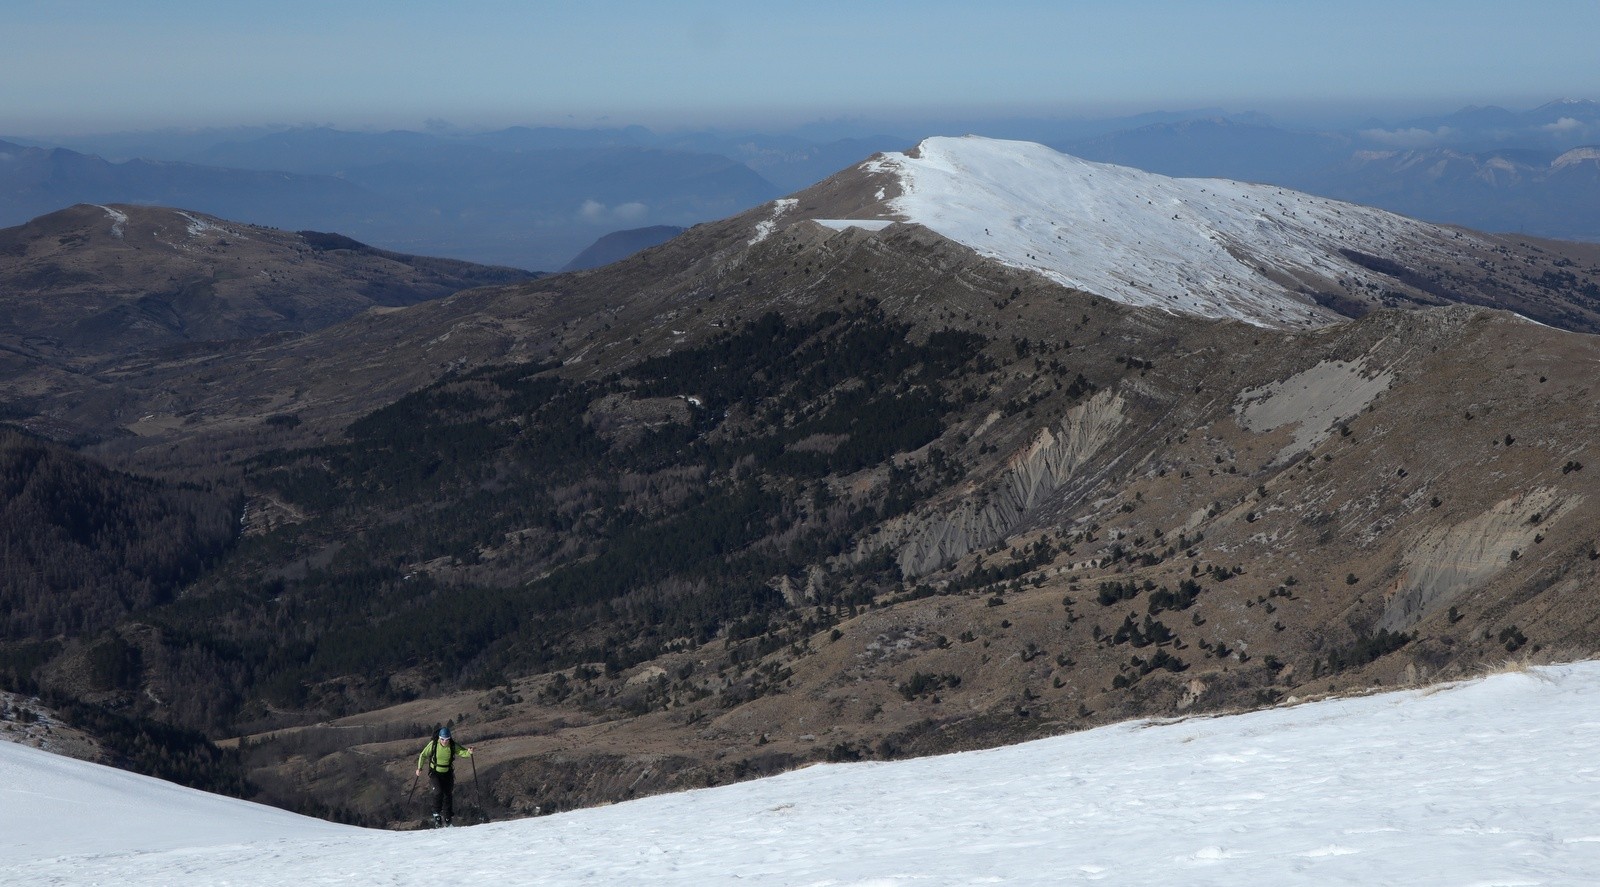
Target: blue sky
{"x":85,"y":65}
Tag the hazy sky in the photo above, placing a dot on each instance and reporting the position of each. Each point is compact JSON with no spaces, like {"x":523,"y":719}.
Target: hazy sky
{"x":85,"y":65}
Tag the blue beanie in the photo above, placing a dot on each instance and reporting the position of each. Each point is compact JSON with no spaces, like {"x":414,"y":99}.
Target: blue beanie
{"x":444,"y":732}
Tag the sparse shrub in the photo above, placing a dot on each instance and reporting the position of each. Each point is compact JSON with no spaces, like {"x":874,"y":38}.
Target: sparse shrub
{"x":924,"y":684}
{"x":1365,"y":649}
{"x":1513,"y":638}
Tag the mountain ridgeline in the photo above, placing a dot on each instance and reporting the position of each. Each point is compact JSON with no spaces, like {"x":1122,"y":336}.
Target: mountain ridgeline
{"x":850,"y":477}
{"x":103,"y":281}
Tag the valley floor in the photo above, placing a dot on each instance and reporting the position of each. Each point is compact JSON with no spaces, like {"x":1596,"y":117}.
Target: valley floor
{"x":1488,"y":782}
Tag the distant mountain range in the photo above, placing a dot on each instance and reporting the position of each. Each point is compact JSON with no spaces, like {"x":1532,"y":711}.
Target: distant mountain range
{"x":529,"y":208}
{"x":1533,"y":191}
{"x":35,"y":181}
{"x":534,"y":197}
{"x":1488,"y":169}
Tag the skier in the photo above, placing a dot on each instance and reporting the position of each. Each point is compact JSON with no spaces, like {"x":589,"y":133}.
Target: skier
{"x":439,"y":754}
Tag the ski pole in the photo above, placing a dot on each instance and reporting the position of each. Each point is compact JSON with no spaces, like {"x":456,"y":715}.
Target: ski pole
{"x":477,"y":793}
{"x":413,"y":789}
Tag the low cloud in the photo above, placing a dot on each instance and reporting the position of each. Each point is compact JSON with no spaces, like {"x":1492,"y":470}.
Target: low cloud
{"x":1563,"y":126}
{"x":596,"y":213}
{"x":1409,"y":138}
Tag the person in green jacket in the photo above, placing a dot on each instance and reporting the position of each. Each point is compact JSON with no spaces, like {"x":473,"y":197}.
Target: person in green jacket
{"x":438,"y":756}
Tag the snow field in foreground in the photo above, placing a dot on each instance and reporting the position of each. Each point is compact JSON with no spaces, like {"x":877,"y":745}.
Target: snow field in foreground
{"x":1491,"y":782}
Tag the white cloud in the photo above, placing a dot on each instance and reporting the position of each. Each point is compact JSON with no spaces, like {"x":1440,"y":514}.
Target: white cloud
{"x":1408,"y":138}
{"x":596,"y":213}
{"x":1562,"y":126}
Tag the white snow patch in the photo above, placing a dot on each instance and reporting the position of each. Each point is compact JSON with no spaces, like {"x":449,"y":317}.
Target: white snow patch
{"x":765,"y":227}
{"x":198,"y":226}
{"x":58,"y":806}
{"x":1200,"y":246}
{"x":842,"y":224}
{"x":119,"y":221}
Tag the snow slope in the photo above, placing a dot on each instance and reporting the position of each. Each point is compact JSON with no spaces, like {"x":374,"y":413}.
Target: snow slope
{"x":1492,"y":782}
{"x":1211,"y":247}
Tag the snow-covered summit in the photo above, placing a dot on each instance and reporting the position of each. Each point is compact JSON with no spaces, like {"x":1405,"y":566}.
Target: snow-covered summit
{"x":1212,"y":247}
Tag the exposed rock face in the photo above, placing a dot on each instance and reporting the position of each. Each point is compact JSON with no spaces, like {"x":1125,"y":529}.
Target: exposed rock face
{"x":1314,"y":401}
{"x":1447,"y":562}
{"x":1031,"y":478}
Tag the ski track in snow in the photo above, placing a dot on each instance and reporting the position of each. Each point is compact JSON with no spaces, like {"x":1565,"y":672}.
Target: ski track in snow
{"x":1145,"y":239}
{"x":1491,"y":782}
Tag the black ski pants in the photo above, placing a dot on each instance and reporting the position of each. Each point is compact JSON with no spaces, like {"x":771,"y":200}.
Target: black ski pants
{"x":444,"y":789}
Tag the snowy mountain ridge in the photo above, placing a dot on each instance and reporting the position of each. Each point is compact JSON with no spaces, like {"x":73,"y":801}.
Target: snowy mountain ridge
{"x":1210,"y":247}
{"x":1491,"y":781}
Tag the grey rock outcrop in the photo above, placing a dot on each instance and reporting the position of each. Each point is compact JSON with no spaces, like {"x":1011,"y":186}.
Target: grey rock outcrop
{"x":924,"y":543}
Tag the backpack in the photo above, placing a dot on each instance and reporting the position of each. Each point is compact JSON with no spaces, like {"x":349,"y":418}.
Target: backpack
{"x":449,"y":759}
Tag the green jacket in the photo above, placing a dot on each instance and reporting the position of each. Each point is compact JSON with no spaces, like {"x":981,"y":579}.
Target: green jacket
{"x":440,"y":757}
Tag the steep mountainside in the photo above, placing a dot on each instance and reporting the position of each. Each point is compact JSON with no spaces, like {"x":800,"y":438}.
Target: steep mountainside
{"x":841,"y":478}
